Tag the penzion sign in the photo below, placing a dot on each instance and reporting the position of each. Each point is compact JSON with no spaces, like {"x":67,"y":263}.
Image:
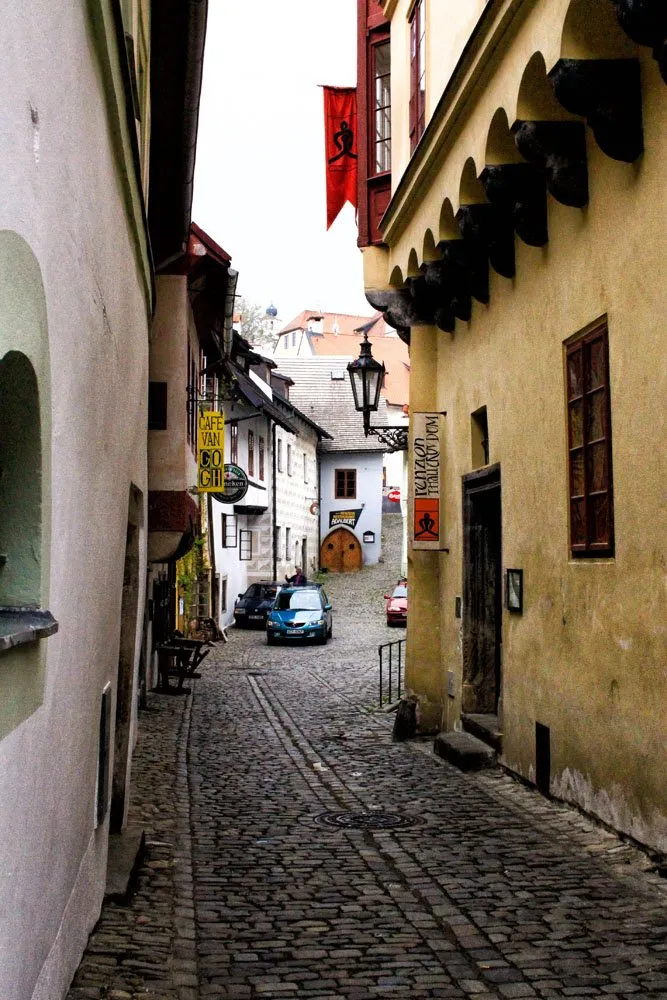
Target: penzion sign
{"x":427,"y":529}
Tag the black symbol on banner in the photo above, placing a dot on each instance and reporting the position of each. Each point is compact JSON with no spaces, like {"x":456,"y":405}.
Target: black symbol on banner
{"x":344,"y":140}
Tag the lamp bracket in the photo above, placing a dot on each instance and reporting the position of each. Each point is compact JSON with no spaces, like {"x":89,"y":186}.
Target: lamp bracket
{"x":395,"y":438}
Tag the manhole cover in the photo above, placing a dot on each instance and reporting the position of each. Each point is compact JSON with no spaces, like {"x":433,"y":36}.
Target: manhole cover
{"x":366,"y":820}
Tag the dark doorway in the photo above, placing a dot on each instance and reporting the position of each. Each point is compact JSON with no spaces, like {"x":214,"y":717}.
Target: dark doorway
{"x":482,"y":590}
{"x":126,"y":663}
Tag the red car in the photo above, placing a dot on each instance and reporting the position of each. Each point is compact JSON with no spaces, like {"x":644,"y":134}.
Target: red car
{"x":397,"y":605}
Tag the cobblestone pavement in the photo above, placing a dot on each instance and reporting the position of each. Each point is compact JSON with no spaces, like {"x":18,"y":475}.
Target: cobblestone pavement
{"x":494,"y":893}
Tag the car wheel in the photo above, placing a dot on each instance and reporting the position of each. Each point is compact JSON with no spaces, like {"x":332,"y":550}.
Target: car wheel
{"x":270,"y":639}
{"x":330,"y":632}
{"x":322,"y":640}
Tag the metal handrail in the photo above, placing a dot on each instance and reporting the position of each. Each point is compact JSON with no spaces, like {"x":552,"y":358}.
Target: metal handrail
{"x":391,"y":660}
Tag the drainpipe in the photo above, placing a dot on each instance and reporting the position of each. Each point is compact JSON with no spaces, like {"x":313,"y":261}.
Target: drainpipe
{"x":319,"y":501}
{"x":274,"y":501}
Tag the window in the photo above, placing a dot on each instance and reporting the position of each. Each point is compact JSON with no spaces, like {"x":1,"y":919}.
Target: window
{"x":223,"y":595}
{"x":234,"y":444}
{"x":278,"y":540}
{"x":289,"y":459}
{"x":293,"y":338}
{"x":245,"y":545}
{"x":417,"y":74}
{"x":251,"y":453}
{"x":346,"y":484}
{"x":261,"y":457}
{"x":589,"y":444}
{"x":279,"y":457}
{"x":381,"y":137}
{"x":305,"y":467}
{"x":479,"y":436}
{"x":288,"y":540}
{"x":157,"y":406}
{"x":229,"y":531}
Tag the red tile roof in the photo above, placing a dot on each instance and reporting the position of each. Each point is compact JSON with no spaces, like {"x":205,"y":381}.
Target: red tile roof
{"x":345,"y":322}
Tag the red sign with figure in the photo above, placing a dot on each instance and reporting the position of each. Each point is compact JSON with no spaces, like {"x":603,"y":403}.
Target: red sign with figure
{"x":340,"y":143}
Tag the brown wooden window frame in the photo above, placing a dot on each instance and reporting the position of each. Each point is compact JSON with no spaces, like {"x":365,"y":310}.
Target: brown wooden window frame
{"x":251,"y":453}
{"x":345,"y":484}
{"x":417,"y":107}
{"x":589,"y":443}
{"x":229,"y":531}
{"x":260,"y":457}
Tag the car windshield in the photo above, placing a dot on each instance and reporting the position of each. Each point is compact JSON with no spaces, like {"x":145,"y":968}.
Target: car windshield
{"x":254,"y":590}
{"x":400,"y":592}
{"x":298,"y":600}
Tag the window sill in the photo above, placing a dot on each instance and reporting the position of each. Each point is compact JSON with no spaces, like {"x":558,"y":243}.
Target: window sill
{"x":22,"y":625}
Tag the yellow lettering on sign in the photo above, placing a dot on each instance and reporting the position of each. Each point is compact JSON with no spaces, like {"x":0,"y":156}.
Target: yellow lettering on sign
{"x":211,"y":452}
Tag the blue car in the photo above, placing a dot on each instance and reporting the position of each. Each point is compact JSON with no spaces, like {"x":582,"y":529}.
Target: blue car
{"x":300,"y":613}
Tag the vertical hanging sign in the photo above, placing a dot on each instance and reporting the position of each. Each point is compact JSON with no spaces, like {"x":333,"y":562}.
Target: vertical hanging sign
{"x":211,"y":452}
{"x":427,"y":527}
{"x":340,"y":143}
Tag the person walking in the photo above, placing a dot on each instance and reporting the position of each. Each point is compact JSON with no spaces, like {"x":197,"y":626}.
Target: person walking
{"x":298,"y":579}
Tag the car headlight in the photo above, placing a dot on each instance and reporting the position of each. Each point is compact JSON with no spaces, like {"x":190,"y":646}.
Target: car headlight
{"x":320,"y":621}
{"x":239,"y":611}
{"x":272,"y":624}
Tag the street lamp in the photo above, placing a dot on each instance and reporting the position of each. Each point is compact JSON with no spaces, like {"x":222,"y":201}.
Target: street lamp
{"x":367,"y":378}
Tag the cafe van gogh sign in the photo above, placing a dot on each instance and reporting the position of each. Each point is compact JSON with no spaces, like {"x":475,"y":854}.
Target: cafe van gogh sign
{"x":427,"y":528}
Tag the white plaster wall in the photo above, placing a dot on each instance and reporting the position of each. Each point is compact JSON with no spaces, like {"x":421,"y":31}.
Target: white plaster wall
{"x":171,"y":461}
{"x":62,"y":196}
{"x":227,"y":563}
{"x":369,"y":496}
{"x":294,"y":497}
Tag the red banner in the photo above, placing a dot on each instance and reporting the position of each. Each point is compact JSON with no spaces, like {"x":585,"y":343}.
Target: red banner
{"x":340,"y":133}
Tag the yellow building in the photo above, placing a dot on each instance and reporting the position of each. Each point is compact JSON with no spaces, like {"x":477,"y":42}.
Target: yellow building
{"x":523,"y":253}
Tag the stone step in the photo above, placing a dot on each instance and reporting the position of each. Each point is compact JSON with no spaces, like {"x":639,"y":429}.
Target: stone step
{"x":485,"y":727}
{"x":464,"y":751}
{"x":126,"y":851}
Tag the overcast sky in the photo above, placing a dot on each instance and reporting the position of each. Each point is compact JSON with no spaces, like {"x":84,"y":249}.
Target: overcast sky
{"x":259,"y":182}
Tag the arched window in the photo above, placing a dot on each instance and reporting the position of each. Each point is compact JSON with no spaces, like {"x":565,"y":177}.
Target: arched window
{"x":20,"y":484}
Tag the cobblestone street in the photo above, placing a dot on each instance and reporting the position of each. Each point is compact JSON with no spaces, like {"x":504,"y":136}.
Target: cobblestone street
{"x":492,"y":892}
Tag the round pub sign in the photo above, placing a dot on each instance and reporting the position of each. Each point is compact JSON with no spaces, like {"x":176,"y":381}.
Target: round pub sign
{"x":236,"y":485}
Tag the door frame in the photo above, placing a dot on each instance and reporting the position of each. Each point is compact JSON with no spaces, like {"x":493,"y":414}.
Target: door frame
{"x":481,"y":481}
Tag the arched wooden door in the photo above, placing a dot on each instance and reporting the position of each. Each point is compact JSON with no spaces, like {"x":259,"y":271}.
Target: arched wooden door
{"x":341,"y":552}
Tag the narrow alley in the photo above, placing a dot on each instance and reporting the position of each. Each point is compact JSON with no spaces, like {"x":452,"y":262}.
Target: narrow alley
{"x":273,"y":868}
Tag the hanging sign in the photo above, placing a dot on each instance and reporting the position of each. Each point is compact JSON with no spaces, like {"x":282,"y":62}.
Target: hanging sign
{"x":426,"y":473}
{"x":340,"y":140}
{"x":235,"y":485}
{"x":347,"y":518}
{"x":210,"y":451}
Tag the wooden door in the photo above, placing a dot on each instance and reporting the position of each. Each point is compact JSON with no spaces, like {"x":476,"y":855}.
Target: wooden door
{"x":482,"y":605}
{"x":341,"y":552}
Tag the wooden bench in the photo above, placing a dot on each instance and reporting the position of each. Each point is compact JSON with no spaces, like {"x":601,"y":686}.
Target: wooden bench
{"x":179,"y":658}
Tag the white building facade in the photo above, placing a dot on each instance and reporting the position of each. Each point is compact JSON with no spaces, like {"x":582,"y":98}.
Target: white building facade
{"x":75,"y":308}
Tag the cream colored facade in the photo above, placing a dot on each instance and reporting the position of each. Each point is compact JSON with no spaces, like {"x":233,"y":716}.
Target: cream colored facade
{"x":586,"y":659}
